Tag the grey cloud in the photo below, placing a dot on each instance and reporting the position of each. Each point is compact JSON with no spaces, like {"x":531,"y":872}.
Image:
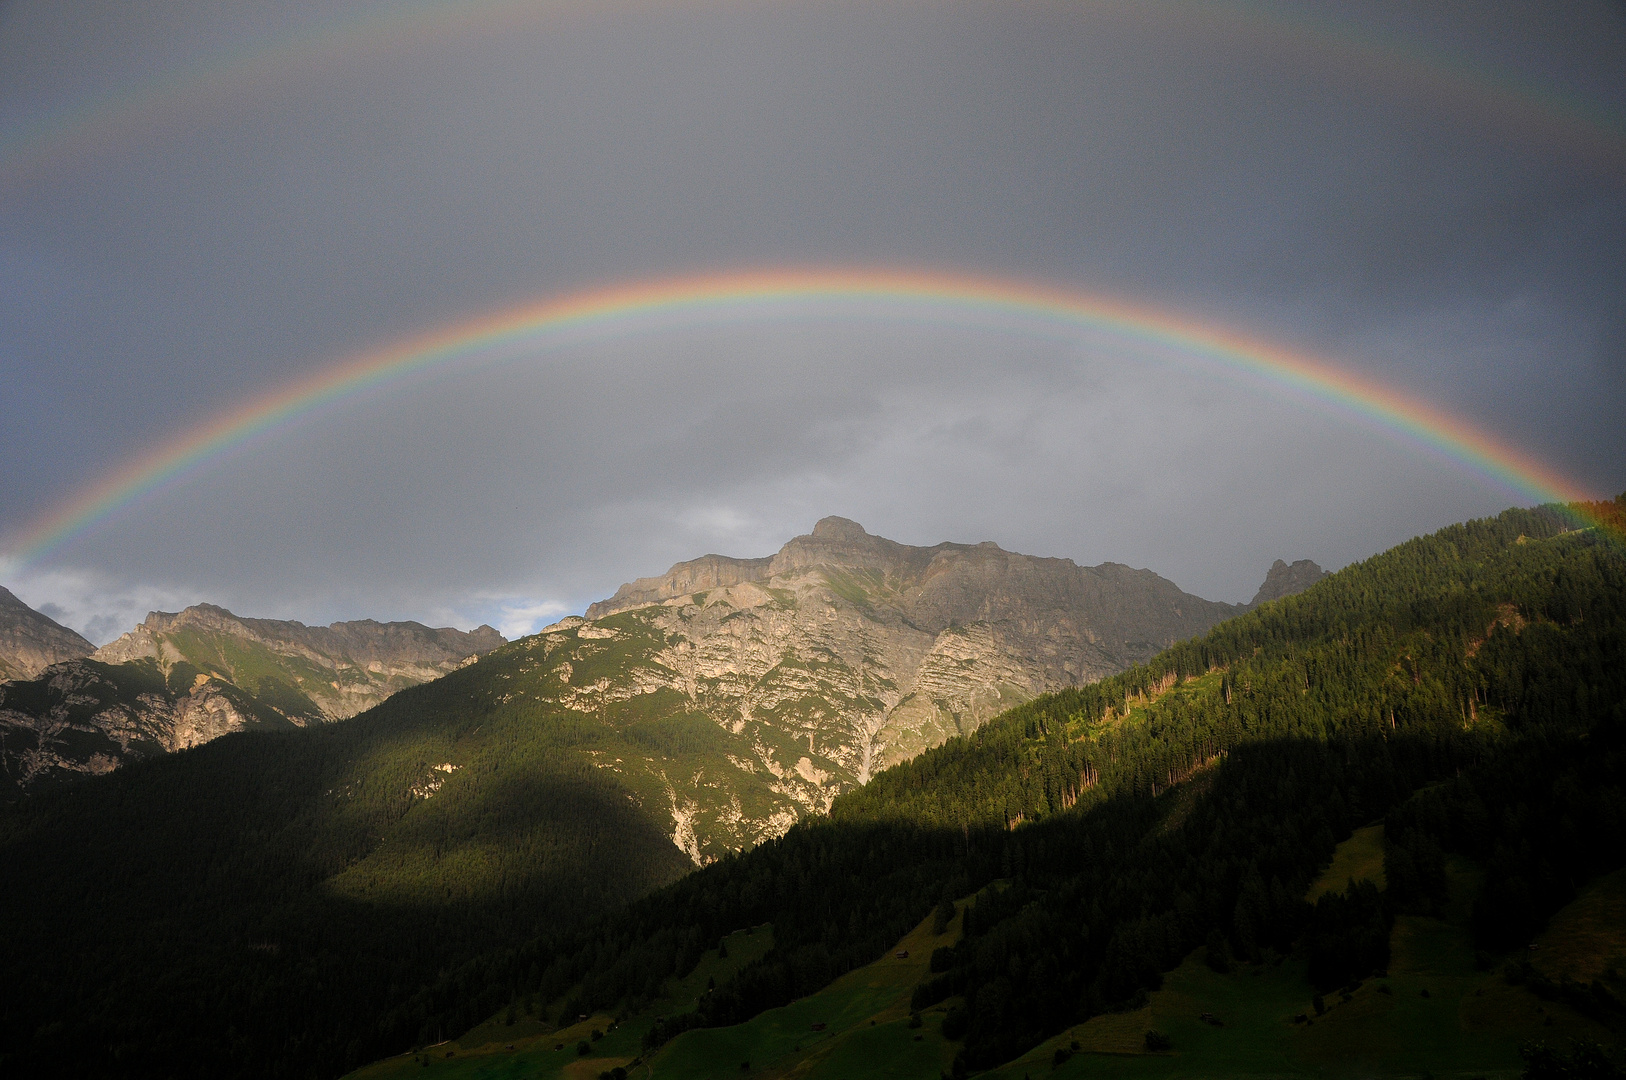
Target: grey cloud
{"x":1465,"y":251}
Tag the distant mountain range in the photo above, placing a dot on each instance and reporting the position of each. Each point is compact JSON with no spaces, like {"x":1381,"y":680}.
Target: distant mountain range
{"x":792,"y":678}
{"x":180,"y":680}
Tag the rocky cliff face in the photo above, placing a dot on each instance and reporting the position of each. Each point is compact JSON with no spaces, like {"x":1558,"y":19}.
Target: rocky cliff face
{"x":842,"y":654}
{"x":179,"y":680}
{"x":1284,"y":580}
{"x":31,"y":642}
{"x":83,"y":718}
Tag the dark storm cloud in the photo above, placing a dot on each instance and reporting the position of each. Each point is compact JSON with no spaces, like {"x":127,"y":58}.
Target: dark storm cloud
{"x":1276,"y":171}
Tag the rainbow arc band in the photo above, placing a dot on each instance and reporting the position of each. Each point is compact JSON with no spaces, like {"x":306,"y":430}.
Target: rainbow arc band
{"x":176,"y":96}
{"x":765,"y":295}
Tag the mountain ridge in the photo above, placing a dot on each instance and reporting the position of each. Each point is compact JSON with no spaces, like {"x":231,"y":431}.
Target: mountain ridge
{"x":367,"y":653}
{"x":353,"y":889}
{"x":181,"y":679}
{"x":31,"y":641}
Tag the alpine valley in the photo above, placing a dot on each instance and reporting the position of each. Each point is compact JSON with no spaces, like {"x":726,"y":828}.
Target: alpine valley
{"x":863,"y":809}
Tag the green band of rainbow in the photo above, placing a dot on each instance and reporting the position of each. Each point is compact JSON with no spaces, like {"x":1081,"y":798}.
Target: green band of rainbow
{"x":763,"y":294}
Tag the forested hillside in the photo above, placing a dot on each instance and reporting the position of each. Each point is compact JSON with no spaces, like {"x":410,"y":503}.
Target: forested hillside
{"x":1109,"y":831}
{"x":397,"y":879}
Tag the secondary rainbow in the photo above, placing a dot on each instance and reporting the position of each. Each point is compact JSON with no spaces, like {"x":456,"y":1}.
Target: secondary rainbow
{"x":89,"y":124}
{"x":758,"y":295}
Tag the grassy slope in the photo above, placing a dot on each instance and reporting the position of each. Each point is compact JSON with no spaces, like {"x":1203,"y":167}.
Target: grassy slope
{"x":1360,"y":858}
{"x":1471,"y":1024}
{"x":865,"y":1014}
{"x":534,"y":1047}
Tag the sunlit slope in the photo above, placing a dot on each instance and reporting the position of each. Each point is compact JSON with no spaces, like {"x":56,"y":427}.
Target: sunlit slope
{"x":1436,"y":1009}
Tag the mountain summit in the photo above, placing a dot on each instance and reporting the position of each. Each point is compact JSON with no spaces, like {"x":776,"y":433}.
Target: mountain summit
{"x":1284,"y":580}
{"x":840,"y":655}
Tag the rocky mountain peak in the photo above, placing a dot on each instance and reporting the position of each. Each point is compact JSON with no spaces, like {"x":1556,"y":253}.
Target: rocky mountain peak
{"x":838,"y":542}
{"x":843,"y":653}
{"x":30,"y":641}
{"x":1284,"y":580}
{"x":839,"y":528}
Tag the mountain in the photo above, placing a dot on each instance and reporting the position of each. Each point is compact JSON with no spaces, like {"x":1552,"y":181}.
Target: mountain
{"x":464,"y":851}
{"x":328,"y":874}
{"x":1283,"y":580}
{"x":180,"y":680}
{"x":338,"y":670}
{"x":842,"y":654}
{"x":31,"y":642}
{"x":1373,"y":789}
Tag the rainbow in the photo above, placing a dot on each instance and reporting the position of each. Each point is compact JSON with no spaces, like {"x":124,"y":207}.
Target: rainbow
{"x":90,"y":123}
{"x":758,"y":295}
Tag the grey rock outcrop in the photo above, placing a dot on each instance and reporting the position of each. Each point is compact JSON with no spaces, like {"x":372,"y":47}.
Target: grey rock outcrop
{"x":84,"y":718}
{"x":31,"y":642}
{"x":1285,"y":580}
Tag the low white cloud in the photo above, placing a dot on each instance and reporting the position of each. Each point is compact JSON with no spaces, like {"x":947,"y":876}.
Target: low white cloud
{"x":97,"y":605}
{"x":518,"y":618}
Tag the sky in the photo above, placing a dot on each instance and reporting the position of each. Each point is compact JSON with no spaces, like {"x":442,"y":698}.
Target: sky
{"x":201,"y":206}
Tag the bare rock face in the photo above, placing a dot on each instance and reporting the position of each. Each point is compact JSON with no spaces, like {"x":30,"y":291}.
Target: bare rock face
{"x":840,"y":655}
{"x":1284,"y":580}
{"x":31,"y":642}
{"x":179,"y":680}
{"x":83,"y":718}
